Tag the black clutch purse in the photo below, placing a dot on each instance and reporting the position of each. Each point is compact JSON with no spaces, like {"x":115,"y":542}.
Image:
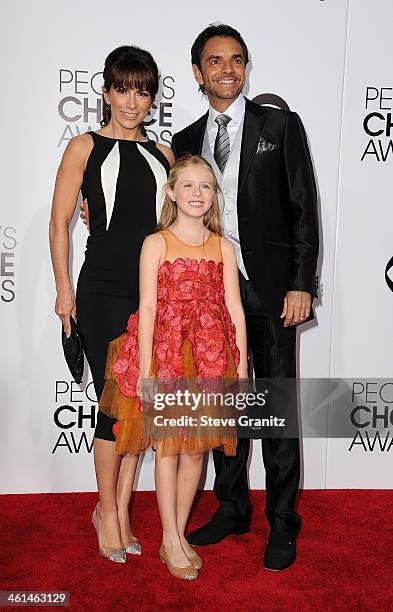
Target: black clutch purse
{"x":73,"y":351}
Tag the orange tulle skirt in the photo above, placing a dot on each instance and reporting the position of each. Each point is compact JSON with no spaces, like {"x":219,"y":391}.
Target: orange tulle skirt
{"x":137,"y":427}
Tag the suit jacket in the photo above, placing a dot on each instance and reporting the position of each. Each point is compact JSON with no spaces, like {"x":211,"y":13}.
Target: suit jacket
{"x":276,"y":201}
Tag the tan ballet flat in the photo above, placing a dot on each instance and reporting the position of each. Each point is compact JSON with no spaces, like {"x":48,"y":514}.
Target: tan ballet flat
{"x":195,"y":561}
{"x":185,"y":573}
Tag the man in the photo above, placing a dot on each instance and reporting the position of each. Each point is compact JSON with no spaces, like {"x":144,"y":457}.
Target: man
{"x":261,"y":159}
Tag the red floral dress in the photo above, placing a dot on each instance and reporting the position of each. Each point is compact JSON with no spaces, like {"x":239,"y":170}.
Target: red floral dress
{"x":194,"y":337}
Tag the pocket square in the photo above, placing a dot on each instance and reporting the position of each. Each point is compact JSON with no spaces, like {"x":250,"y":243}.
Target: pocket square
{"x":265,"y":145}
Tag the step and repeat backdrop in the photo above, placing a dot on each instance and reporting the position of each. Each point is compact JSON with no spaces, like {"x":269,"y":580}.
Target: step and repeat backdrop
{"x":328,"y":60}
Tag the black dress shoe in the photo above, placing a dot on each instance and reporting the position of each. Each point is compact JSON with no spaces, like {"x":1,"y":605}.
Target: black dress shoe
{"x":216,"y":530}
{"x":280,"y":551}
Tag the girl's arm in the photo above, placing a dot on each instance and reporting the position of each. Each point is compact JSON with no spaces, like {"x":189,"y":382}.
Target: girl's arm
{"x":152,"y":250}
{"x":234,"y":304}
{"x":68,"y":183}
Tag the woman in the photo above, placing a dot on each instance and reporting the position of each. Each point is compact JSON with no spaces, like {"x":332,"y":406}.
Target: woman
{"x":122,"y":175}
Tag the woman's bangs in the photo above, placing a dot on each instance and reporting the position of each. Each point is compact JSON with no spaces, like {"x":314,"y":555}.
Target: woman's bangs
{"x":134,"y":76}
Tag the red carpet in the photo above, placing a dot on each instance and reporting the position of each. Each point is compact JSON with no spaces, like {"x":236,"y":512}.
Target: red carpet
{"x":345,"y":556}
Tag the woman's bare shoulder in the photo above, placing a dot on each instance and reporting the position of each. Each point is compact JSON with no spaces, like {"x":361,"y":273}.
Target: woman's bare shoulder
{"x":79,"y":147}
{"x":167,"y":151}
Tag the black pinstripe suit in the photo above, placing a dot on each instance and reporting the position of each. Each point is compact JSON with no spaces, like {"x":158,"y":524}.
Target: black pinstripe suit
{"x":278,"y":230}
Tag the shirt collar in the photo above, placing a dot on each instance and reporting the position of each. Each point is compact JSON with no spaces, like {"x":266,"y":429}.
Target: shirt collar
{"x":235,"y":111}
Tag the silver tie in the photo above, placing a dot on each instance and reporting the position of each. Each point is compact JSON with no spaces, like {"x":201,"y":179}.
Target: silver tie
{"x":222,"y":145}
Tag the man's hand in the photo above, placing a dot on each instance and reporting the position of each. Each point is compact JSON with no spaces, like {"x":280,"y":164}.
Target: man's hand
{"x":296,"y":309}
{"x":85,"y":213}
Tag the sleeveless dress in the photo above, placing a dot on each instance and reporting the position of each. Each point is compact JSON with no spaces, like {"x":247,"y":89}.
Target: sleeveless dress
{"x":194,"y":338}
{"x":123,"y":183}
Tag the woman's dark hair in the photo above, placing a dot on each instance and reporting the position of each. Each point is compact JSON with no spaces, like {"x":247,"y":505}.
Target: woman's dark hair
{"x":129,"y":67}
{"x":212,"y":30}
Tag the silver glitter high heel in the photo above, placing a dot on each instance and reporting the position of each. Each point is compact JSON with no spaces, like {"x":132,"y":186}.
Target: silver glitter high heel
{"x":133,"y":547}
{"x":112,"y":554}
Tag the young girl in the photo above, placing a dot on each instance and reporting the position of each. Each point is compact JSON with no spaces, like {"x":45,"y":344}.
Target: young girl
{"x":190,"y":324}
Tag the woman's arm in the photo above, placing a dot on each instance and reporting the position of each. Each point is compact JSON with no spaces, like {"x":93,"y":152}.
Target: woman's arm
{"x":152,"y":250}
{"x":68,"y":183}
{"x":167,"y":151}
{"x":234,"y":304}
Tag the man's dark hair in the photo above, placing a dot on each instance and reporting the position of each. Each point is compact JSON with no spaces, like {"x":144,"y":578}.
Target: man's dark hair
{"x":219,"y":29}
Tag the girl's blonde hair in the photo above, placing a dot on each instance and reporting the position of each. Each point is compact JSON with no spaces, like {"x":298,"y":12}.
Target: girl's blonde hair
{"x":211,"y":219}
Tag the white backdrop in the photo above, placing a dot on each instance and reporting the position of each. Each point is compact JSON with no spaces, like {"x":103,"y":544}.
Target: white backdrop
{"x":362,"y":339}
{"x":311,"y":53}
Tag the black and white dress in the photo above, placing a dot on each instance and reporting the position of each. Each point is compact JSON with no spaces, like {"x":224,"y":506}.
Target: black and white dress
{"x":123,"y":183}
